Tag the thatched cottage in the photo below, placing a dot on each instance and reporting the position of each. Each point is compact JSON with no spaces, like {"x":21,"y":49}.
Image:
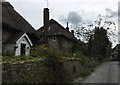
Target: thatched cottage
{"x":18,"y":36}
{"x":55,"y":36}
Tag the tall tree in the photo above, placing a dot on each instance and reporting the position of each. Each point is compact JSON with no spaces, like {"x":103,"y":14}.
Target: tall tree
{"x":98,"y":36}
{"x":99,"y":44}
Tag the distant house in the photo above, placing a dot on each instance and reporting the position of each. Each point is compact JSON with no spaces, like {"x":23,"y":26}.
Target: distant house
{"x":17,"y":34}
{"x":55,"y":36}
{"x":116,"y":52}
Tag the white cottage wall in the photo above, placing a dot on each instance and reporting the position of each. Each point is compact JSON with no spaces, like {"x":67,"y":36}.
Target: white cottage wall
{"x":18,"y":47}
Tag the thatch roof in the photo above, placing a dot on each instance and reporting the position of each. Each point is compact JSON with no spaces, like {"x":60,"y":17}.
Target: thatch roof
{"x":15,"y":21}
{"x":56,"y":29}
{"x":14,"y":38}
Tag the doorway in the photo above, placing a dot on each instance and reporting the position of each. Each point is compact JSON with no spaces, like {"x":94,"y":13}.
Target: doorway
{"x":23,"y":47}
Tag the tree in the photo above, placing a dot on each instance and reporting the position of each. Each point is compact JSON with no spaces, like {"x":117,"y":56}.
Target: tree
{"x":80,"y":47}
{"x":84,"y":32}
{"x":98,"y":36}
{"x":99,"y":44}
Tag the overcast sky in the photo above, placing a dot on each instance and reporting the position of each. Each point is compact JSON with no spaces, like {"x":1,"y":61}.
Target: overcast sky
{"x":64,"y":10}
{"x":72,"y":11}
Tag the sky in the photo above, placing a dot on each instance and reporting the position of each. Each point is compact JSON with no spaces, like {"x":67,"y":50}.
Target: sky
{"x":73,"y":11}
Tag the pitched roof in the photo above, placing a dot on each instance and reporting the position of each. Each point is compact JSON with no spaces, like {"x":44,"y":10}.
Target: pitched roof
{"x":16,"y":37}
{"x":12,"y":18}
{"x":56,"y":29}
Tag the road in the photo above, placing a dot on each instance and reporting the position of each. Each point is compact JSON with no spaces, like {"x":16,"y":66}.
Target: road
{"x":108,"y":72}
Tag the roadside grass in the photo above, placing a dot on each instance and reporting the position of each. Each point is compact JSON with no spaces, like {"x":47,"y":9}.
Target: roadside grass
{"x":86,"y":72}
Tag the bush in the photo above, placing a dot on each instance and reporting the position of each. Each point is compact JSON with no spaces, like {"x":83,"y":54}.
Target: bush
{"x":42,"y":51}
{"x":52,"y":64}
{"x":87,"y":71}
{"x":38,"y":51}
{"x":81,"y":57}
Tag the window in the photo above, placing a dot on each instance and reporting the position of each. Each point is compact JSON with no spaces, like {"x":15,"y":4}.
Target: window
{"x":54,"y":38}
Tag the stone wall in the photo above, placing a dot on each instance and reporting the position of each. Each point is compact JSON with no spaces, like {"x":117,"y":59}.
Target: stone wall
{"x":29,"y":72}
{"x":34,"y":72}
{"x":74,"y":68}
{"x":61,"y":43}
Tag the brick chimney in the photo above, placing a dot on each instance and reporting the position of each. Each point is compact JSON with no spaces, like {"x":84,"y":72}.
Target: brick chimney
{"x":46,"y":17}
{"x":45,"y":24}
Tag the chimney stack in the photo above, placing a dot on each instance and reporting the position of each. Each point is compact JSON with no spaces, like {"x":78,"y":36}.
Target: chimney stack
{"x":45,"y":22}
{"x":67,"y":27}
{"x":46,"y":17}
{"x":72,"y":31}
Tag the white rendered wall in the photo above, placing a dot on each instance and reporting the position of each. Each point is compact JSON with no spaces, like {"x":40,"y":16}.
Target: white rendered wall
{"x":18,"y":49}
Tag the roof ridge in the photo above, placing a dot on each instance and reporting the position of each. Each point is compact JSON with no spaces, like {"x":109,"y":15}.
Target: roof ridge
{"x":6,"y":3}
{"x":62,"y":27}
{"x":60,"y":30}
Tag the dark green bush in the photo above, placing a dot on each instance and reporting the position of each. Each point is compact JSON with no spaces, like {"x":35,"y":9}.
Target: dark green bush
{"x":53,"y":64}
{"x":87,"y":71}
{"x":42,"y":51}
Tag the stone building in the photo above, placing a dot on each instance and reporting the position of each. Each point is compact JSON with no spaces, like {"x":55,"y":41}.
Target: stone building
{"x":17,"y":34}
{"x":55,"y":36}
{"x":116,"y":52}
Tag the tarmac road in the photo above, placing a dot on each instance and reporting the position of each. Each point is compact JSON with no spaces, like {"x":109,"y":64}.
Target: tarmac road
{"x":108,"y":72}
